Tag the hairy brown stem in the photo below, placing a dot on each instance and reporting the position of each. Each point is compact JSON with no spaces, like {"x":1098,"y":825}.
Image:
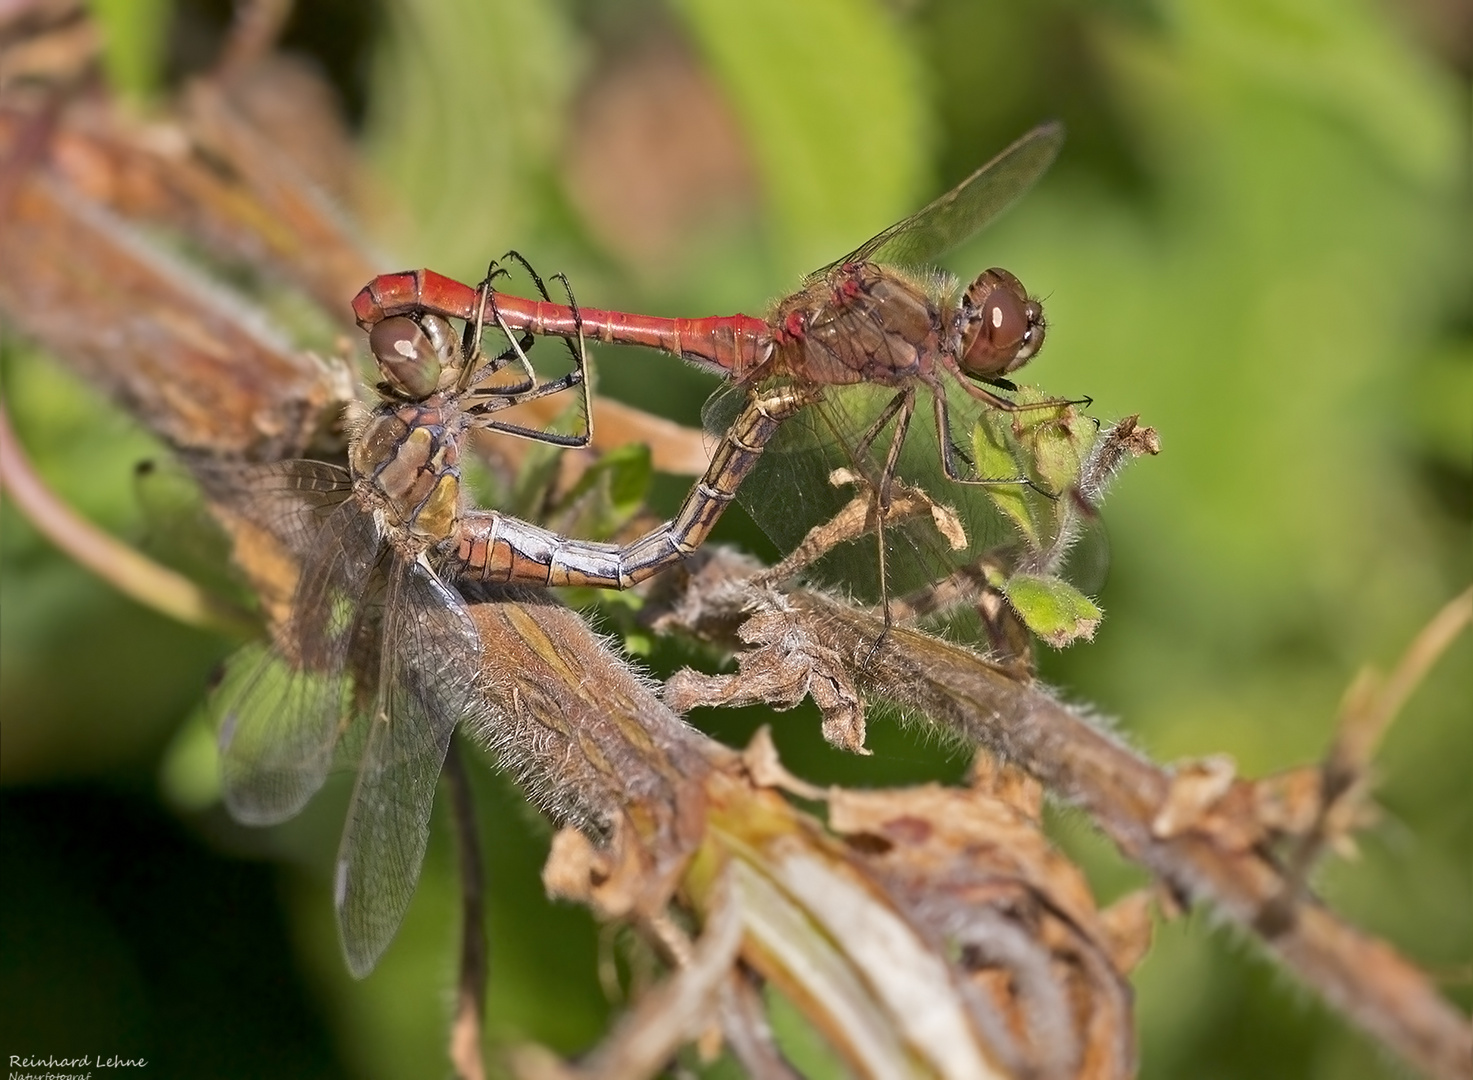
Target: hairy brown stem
{"x":1124,"y":793}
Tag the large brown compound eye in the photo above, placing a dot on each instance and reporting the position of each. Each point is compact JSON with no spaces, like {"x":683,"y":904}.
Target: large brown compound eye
{"x":407,"y":356}
{"x":1003,"y":327}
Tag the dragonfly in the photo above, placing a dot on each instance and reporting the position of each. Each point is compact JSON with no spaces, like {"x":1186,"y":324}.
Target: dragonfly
{"x":376,"y":658}
{"x":878,"y":319}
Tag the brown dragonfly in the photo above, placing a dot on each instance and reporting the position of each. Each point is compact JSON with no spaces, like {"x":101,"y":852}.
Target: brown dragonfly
{"x":377,"y":656}
{"x":376,"y":659}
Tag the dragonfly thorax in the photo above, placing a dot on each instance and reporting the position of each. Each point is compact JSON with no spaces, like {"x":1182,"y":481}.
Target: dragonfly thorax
{"x":860,"y":322}
{"x":999,"y":328}
{"x":406,"y":466}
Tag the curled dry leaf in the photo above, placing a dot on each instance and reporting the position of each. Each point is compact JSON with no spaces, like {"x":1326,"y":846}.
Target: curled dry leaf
{"x":857,"y":518}
{"x":1128,"y":927}
{"x":1196,"y":787}
{"x":605,"y":878}
{"x":784,"y":665}
{"x":1221,"y":859}
{"x":979,"y":876}
{"x":1288,"y":803}
{"x":1008,"y":784}
{"x":761,"y":762}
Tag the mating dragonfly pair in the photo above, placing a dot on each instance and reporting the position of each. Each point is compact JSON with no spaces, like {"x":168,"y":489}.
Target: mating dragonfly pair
{"x":378,"y":655}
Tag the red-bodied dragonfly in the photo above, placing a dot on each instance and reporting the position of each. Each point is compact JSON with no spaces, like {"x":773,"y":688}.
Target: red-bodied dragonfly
{"x":862,"y":323}
{"x":376,"y":659}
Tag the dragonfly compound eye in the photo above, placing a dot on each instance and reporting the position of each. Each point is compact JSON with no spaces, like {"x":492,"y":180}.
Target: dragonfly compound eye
{"x":1002,"y":327}
{"x":409,"y":355}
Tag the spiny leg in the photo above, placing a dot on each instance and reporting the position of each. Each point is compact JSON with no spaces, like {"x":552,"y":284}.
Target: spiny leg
{"x":902,"y":407}
{"x":505,"y":397}
{"x":947,"y":441}
{"x":471,"y":342}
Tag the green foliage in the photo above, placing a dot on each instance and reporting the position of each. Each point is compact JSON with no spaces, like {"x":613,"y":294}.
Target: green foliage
{"x":1045,"y":447}
{"x":134,"y":34}
{"x":833,"y":106}
{"x":608,"y":494}
{"x":468,"y":110}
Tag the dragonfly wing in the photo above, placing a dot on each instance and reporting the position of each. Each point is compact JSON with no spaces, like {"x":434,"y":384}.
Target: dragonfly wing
{"x":791,"y":490}
{"x":287,"y":499}
{"x":280,"y":707}
{"x":933,"y":230}
{"x":430,"y":653}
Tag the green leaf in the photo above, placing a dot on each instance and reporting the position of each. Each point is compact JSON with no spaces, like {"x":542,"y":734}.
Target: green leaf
{"x":1052,"y":608}
{"x":993,"y":456}
{"x":1057,"y":440}
{"x":610,"y":492}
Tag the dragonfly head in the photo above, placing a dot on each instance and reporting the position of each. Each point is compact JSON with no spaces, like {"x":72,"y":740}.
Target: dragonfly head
{"x":1001,"y":328}
{"x":411,"y":355}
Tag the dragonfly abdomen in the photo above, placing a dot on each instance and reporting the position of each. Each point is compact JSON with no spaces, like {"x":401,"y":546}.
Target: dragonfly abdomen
{"x":505,"y":550}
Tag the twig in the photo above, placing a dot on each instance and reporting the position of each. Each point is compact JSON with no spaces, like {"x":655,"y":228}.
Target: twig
{"x":470,"y":998}
{"x":1370,"y":705}
{"x":1367,"y":720}
{"x":129,"y":571}
{"x":256,"y":26}
{"x":674,"y":1012}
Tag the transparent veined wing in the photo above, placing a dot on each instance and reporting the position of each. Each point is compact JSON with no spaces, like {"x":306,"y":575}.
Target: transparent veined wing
{"x":281,"y":707}
{"x":429,"y":656}
{"x":933,"y":230}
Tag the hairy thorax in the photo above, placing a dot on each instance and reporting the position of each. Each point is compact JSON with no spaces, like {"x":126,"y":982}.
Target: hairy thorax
{"x":406,"y":469}
{"x":860,"y":322}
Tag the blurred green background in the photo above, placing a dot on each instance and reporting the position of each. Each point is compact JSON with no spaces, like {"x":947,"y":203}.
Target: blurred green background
{"x":1257,"y":238}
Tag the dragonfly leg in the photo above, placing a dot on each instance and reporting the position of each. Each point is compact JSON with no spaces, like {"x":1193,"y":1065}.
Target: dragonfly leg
{"x":904,"y":403}
{"x":947,"y":442}
{"x":902,"y":407}
{"x":580,"y":358}
{"x":488,"y":403}
{"x":481,"y":400}
{"x":872,"y":432}
{"x":471,"y":342}
{"x":987,"y":397}
{"x":529,"y":389}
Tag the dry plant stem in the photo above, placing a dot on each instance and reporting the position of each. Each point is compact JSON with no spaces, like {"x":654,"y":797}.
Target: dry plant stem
{"x":194,"y":367}
{"x":1363,"y":728}
{"x":127,"y":570}
{"x":257,"y":25}
{"x":676,"y":1010}
{"x":470,"y":997}
{"x":127,"y":316}
{"x":591,"y":743}
{"x":748,"y":1034}
{"x":1123,"y":792}
{"x":595,"y":747}
{"x":1370,"y":706}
